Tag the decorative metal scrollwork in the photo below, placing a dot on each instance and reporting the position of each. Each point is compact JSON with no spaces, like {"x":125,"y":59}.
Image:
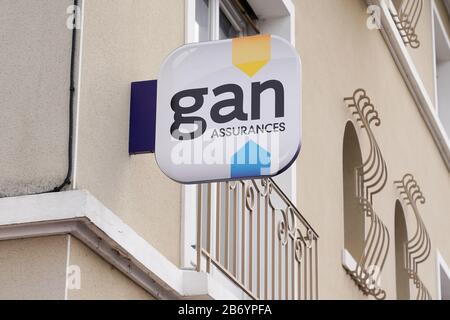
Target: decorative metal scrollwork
{"x":419,"y":244}
{"x":253,"y":233}
{"x":371,"y":178}
{"x":422,"y":291}
{"x":406,"y":19}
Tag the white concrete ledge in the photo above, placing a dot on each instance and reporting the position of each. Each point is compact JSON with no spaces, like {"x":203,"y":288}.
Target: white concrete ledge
{"x":78,"y":213}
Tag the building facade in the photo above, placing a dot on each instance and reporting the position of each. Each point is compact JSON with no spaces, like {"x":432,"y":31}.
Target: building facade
{"x":360,"y":215}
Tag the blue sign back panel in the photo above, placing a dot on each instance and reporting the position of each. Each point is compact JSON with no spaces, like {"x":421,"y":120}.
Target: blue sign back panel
{"x":143,"y":117}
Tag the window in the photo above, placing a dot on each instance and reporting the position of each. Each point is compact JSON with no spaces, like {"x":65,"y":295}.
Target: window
{"x":442,"y":70}
{"x":221,"y":19}
{"x":353,"y":216}
{"x":237,"y":19}
{"x":443,"y":278}
{"x":401,"y":242}
{"x":201,"y":21}
{"x":399,"y":46}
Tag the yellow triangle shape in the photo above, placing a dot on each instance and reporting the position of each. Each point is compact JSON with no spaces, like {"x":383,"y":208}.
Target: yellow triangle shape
{"x":251,"y":54}
{"x":252,"y":68}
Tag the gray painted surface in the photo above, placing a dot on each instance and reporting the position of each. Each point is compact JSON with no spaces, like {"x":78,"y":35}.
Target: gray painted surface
{"x":34,"y":95}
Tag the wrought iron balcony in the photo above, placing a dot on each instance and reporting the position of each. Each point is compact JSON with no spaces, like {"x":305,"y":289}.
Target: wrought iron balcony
{"x":406,"y":16}
{"x":371,"y":178}
{"x":418,"y":248}
{"x":251,"y":232}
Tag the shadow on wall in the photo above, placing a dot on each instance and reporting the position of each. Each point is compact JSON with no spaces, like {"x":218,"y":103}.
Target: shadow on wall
{"x":353,"y":216}
{"x":401,"y":242}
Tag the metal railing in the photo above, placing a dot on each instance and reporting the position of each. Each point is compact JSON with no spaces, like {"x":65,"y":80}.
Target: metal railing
{"x":250,"y":231}
{"x":418,"y":248}
{"x":406,"y":20}
{"x":371,"y":178}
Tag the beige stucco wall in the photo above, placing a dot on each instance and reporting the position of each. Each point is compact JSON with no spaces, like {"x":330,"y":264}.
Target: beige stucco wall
{"x":340,"y":55}
{"x":34,"y":95}
{"x":99,"y":279}
{"x":126,"y":41}
{"x":33,"y":268}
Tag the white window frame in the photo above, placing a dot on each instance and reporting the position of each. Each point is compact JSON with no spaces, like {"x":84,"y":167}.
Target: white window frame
{"x":412,"y":78}
{"x":440,"y":263}
{"x":436,"y":19}
{"x":278,"y":19}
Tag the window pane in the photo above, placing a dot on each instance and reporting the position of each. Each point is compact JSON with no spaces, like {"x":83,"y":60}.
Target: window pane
{"x":226,"y":29}
{"x":201,"y":20}
{"x":445,"y":284}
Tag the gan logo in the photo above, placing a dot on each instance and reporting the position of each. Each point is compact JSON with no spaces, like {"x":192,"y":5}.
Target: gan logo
{"x":229,"y":110}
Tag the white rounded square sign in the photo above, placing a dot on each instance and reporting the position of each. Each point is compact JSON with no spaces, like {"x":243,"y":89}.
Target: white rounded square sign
{"x":229,"y":110}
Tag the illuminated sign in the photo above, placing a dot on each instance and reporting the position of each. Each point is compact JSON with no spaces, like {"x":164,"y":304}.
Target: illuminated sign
{"x":229,"y":110}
